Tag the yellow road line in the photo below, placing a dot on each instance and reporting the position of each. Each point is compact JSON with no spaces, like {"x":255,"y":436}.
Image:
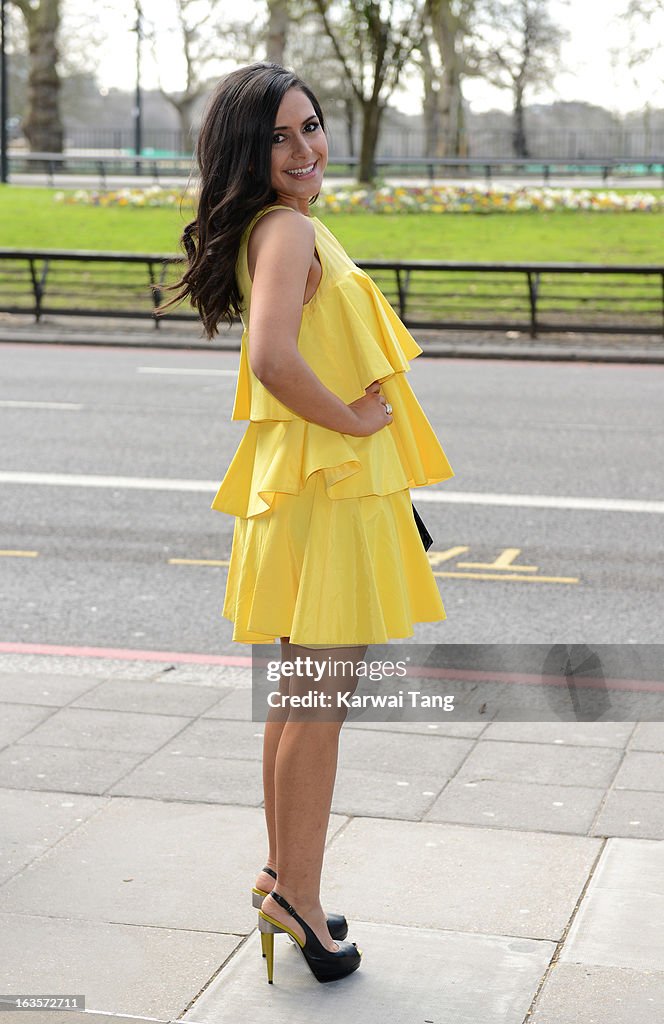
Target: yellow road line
{"x":512,"y":576}
{"x":19,"y":554}
{"x":505,"y":560}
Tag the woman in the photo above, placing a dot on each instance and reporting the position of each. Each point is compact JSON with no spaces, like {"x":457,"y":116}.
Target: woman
{"x":326,"y":553}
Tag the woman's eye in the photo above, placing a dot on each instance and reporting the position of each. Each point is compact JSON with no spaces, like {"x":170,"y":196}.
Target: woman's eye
{"x":313,"y":124}
{"x":277,"y":138}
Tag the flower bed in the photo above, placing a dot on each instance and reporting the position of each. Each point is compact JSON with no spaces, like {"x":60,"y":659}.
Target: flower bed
{"x":404,"y":199}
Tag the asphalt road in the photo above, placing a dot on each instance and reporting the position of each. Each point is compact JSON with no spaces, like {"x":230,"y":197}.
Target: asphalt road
{"x":88,"y":562}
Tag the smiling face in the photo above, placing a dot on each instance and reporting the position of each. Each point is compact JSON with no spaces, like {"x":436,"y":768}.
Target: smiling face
{"x":299,"y":151}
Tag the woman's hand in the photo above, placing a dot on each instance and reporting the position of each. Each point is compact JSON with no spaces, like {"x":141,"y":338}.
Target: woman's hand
{"x":370,"y":412}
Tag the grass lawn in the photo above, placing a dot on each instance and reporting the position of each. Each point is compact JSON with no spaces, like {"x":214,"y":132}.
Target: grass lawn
{"x":31,"y":219}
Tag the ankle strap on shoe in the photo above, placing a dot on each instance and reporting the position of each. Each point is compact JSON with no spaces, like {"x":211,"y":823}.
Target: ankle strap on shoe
{"x":283,"y":903}
{"x":269,"y":871}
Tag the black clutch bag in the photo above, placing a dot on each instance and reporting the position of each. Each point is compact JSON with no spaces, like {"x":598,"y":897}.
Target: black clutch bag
{"x":427,"y":539}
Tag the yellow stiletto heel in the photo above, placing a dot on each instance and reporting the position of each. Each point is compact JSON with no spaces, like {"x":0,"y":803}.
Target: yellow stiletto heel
{"x":268,"y":929}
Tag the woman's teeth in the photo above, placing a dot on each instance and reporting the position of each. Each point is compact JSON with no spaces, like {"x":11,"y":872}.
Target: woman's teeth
{"x":301,"y":171}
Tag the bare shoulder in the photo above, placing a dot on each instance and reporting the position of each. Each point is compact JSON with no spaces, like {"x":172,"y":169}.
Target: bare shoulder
{"x":281,"y":231}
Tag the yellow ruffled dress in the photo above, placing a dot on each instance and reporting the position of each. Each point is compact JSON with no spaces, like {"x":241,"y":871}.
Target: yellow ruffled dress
{"x":325,"y":546}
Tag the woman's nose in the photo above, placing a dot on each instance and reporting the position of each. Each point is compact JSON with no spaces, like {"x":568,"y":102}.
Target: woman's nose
{"x":301,"y":148}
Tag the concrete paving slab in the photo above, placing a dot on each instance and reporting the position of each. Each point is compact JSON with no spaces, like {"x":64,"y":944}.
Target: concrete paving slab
{"x":631,"y":865}
{"x":618,"y":929}
{"x":219,"y":676}
{"x":143,"y":670}
{"x":43,"y":688}
{"x":235,"y":704}
{"x":28,"y":766}
{"x":117,"y":967}
{"x":432,"y":756}
{"x":648,"y":736}
{"x":407,"y":974}
{"x":517,"y":805}
{"x":142,"y":862}
{"x":462,"y":730}
{"x":641,"y":770}
{"x":157,"y":697}
{"x":30,"y":823}
{"x":359,"y":793}
{"x":619,"y":922}
{"x":215,"y":780}
{"x":543,"y":763}
{"x":17,"y":720}
{"x":629,"y":813}
{"x":89,"y":729}
{"x":494,"y":881}
{"x":60,"y":665}
{"x":219,"y":738}
{"x":586,"y":994}
{"x":584,"y":734}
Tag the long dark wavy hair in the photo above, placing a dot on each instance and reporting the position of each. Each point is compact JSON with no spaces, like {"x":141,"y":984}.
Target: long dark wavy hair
{"x":234,"y":153}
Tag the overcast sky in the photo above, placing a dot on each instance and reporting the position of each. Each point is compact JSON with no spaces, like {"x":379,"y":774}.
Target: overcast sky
{"x":591,"y":71}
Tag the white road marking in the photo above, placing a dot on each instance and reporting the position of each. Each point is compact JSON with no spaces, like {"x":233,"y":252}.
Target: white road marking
{"x":7,"y":404}
{"x":118,"y":482}
{"x":420,"y":494}
{"x":183,"y":372}
{"x":538,"y":501}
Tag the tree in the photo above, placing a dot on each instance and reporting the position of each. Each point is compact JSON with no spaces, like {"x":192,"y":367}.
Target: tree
{"x":644,"y":20}
{"x":310,"y":51}
{"x":277,"y":30}
{"x":373,"y":40}
{"x":207,"y":40}
{"x":519,"y":48}
{"x":444,"y":62}
{"x":42,"y":125}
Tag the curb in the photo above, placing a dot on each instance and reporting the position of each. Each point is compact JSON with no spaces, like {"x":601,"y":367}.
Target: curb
{"x":545,"y":353}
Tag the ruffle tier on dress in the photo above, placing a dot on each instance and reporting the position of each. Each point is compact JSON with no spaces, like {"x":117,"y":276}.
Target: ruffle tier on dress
{"x":325,"y":547}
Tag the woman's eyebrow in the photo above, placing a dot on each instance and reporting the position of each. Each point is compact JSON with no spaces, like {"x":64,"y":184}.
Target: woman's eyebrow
{"x":281,"y":127}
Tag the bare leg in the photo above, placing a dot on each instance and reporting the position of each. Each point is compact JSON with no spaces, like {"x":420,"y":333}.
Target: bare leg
{"x":274,"y":727}
{"x":304,"y":774}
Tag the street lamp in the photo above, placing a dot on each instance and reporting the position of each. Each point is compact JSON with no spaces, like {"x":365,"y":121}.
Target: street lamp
{"x":138,"y":106}
{"x":4,"y":110}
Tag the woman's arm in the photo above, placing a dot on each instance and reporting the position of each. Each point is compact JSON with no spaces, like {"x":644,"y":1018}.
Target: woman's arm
{"x":284,"y":246}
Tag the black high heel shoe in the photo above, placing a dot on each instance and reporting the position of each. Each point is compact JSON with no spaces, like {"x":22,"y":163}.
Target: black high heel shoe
{"x":324,"y":964}
{"x":337,"y":925}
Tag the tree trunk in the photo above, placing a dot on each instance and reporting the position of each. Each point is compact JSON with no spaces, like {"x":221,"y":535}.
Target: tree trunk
{"x":445,"y":26}
{"x":430,"y":104}
{"x":43,"y":125}
{"x":349,"y":109}
{"x":520,"y":141}
{"x":462,"y":133}
{"x":185,"y":114}
{"x":184,"y":108}
{"x":371,"y":115}
{"x":277,"y":30}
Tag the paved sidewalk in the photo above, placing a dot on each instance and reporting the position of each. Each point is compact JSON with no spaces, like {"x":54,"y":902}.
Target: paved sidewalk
{"x":63,"y":330}
{"x":491,"y":873}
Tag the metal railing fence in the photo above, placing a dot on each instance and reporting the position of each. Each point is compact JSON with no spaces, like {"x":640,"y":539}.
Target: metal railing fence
{"x":153,"y":169}
{"x":530,"y":297}
{"x":544,"y":141}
